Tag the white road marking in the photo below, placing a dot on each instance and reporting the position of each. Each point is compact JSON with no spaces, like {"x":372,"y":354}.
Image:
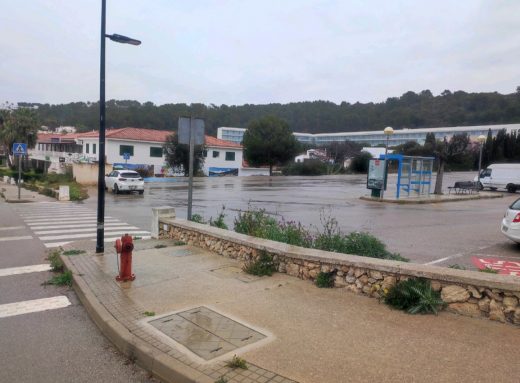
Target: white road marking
{"x":86,"y":235}
{"x":112,"y":239}
{"x":33,"y":306}
{"x":24,"y":269}
{"x":68,"y":220}
{"x":458,"y":255}
{"x":11,"y":228}
{"x":15,"y":238}
{"x":89,"y":229}
{"x":58,"y":219}
{"x":82,"y":225}
{"x":55,"y":214}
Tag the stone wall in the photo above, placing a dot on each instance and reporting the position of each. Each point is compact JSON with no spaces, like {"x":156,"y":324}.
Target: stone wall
{"x":468,"y":293}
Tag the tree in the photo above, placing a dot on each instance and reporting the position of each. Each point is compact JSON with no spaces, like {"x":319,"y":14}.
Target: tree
{"x":446,"y":151}
{"x":359,"y":163}
{"x":17,"y":125}
{"x":269,"y":141}
{"x":340,"y":151}
{"x":178,"y":155}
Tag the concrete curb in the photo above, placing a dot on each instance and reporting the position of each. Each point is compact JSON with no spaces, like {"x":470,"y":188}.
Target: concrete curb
{"x":427,"y":201}
{"x":148,"y":357}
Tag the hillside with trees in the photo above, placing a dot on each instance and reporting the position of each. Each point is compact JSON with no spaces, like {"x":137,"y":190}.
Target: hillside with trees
{"x":411,"y":110}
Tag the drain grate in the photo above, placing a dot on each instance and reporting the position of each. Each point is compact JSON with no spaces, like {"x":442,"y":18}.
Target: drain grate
{"x":205,"y":332}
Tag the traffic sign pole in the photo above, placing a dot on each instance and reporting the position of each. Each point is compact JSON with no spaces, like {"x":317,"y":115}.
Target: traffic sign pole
{"x":19,"y":173}
{"x":190,"y":182}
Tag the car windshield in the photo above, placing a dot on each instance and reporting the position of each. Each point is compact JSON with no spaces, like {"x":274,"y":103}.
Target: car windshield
{"x":130,"y":175}
{"x":515,"y":205}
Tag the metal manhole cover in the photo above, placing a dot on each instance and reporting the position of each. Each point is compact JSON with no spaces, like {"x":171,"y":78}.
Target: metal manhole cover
{"x":205,"y":332}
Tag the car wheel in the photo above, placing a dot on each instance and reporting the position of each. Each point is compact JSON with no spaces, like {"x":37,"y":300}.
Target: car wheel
{"x":511,"y":188}
{"x":493,"y":189}
{"x":116,"y":189}
{"x":141,"y":191}
{"x":480,"y":186}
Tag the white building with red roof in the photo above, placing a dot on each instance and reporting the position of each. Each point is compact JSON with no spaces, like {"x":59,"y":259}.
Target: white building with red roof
{"x":136,"y":148}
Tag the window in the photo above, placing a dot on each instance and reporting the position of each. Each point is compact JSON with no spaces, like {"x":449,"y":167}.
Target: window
{"x":205,"y":153}
{"x":216,"y":154}
{"x":86,"y":148}
{"x":93,"y":148}
{"x":230,"y":156}
{"x":126,"y":149}
{"x":156,"y":151}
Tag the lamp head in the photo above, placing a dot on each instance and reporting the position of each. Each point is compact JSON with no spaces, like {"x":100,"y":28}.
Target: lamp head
{"x":481,"y":138}
{"x":388,"y":131}
{"x":123,"y":39}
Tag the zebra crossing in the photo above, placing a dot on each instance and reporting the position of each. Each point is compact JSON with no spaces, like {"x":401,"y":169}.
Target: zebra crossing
{"x":58,"y":223}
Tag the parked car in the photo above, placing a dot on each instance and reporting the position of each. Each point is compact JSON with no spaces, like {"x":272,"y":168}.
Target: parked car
{"x":501,"y":176}
{"x":124,"y":180}
{"x":511,"y":222}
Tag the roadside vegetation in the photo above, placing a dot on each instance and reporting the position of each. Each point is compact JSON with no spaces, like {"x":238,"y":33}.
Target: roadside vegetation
{"x":264,"y":264}
{"x":414,"y":296}
{"x":258,"y":223}
{"x":325,"y":280}
{"x":237,"y":362}
{"x":63,"y":277}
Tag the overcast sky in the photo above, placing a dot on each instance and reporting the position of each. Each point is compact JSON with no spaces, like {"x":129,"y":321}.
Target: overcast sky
{"x":237,"y":52}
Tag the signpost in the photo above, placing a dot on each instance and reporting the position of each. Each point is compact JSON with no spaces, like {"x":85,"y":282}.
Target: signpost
{"x":126,"y":157}
{"x":376,"y":176}
{"x":19,"y":149}
{"x":191,"y":132}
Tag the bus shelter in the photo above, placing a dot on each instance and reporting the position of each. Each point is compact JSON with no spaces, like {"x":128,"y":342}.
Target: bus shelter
{"x":414,"y":174}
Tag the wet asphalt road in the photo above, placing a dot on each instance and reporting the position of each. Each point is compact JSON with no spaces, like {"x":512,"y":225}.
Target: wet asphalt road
{"x":423,"y":233}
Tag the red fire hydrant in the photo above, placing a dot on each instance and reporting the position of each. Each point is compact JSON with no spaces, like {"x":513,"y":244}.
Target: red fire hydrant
{"x":124,"y":246}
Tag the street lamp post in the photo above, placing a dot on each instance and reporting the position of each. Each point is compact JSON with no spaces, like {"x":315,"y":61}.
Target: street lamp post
{"x":100,"y":238}
{"x":388,"y":132}
{"x":481,"y":139}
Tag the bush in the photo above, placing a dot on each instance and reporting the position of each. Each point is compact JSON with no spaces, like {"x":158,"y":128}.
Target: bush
{"x":254,"y":222}
{"x":325,"y":280}
{"x":197,"y":218}
{"x":359,"y":163}
{"x":415,"y":296}
{"x":55,"y":261}
{"x":305,"y":168}
{"x":237,"y":362}
{"x":263,"y":265}
{"x":219,"y":222}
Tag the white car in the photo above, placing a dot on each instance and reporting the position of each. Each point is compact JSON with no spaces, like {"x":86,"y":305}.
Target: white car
{"x":511,"y":222}
{"x":124,"y":180}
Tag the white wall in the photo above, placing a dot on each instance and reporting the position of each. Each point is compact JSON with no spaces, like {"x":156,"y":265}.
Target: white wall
{"x":141,"y":152}
{"x":220,"y":161}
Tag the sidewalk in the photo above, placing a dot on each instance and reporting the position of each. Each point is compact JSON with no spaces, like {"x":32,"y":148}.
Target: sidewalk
{"x":10,"y":194}
{"x":297,"y":332}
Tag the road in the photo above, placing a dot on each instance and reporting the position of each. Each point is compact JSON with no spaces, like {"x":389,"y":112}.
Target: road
{"x":60,"y":344}
{"x":423,"y":233}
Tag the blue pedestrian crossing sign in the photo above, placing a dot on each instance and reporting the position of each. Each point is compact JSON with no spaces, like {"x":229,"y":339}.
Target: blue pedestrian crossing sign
{"x":19,"y":149}
{"x":126,"y":156}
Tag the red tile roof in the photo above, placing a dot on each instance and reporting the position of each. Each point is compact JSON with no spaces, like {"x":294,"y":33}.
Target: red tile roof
{"x":136,"y":134}
{"x":133,"y":134}
{"x":215,"y":142}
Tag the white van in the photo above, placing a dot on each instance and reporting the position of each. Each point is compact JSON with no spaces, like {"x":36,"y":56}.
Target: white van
{"x":501,"y":176}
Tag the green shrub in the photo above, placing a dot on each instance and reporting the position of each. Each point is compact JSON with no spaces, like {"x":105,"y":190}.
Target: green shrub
{"x":254,"y":222}
{"x":325,"y":280}
{"x":219,"y":222}
{"x":359,"y":163}
{"x":73,"y":252}
{"x":237,"y":362}
{"x":197,"y":218}
{"x":263,"y":265}
{"x":488,"y":270}
{"x":305,"y":168}
{"x":55,"y":261}
{"x":414,"y":296}
{"x":457,"y":267}
{"x":221,"y":380}
{"x":62,"y":279}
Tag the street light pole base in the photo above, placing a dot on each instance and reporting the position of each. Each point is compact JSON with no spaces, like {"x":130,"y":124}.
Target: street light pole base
{"x":100,"y":249}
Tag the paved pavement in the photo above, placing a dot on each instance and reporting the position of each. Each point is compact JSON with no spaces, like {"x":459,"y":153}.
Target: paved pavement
{"x":202,"y":303}
{"x":45,"y":333}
